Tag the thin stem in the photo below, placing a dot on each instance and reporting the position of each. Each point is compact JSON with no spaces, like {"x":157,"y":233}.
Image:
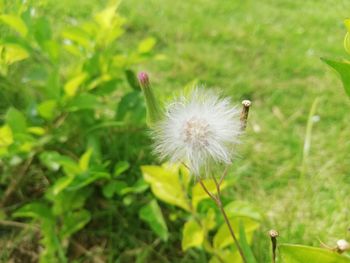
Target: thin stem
{"x":207,"y":191}
{"x":217,"y":200}
{"x":232,"y":233}
{"x":223,"y":175}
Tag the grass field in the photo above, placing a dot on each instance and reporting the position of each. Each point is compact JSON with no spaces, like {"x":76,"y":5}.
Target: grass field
{"x":267,"y":51}
{"x":293,"y":163}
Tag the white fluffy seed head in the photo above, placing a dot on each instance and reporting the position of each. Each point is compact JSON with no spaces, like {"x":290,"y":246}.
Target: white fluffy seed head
{"x":198,"y":129}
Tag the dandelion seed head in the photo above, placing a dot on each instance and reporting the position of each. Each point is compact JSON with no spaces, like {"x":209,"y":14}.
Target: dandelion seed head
{"x":198,"y":129}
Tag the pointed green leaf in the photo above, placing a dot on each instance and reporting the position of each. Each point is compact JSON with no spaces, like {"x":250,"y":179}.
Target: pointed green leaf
{"x":241,"y":208}
{"x":120,"y":168}
{"x":166,"y":185}
{"x":304,"y":254}
{"x":13,"y":53}
{"x":16,"y":120}
{"x":192,"y":235}
{"x":74,"y":222}
{"x":72,"y":85}
{"x":223,"y":237}
{"x":47,"y":109}
{"x":343,"y":68}
{"x":16,"y":23}
{"x":146,"y":45}
{"x":85,"y":159}
{"x":247,"y":251}
{"x":152,"y":214}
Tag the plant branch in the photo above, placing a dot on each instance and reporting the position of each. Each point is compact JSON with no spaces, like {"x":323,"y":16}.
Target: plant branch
{"x":13,"y":186}
{"x":217,"y":200}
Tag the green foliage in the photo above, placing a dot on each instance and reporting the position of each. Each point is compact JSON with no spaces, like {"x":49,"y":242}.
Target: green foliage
{"x":152,"y":214}
{"x":343,"y":67}
{"x":304,"y":254}
{"x":192,"y":235}
{"x":61,"y":131}
{"x":171,"y":184}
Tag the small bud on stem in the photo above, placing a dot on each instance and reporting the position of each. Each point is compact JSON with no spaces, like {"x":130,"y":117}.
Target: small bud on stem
{"x":244,"y":114}
{"x":342,"y":246}
{"x":273,"y":235}
{"x":143,"y":79}
{"x":153,"y":110}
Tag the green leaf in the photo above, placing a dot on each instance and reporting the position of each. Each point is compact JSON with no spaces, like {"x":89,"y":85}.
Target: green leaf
{"x":67,"y":201}
{"x":13,"y":53}
{"x":85,"y":159}
{"x":42,"y":31}
{"x":223,"y":237}
{"x":16,"y":23}
{"x":166,"y":185}
{"x":132,"y":79}
{"x":132,"y":108}
{"x":72,"y":85}
{"x":54,"y":160}
{"x":192,"y":235}
{"x":6,"y":138}
{"x":347,"y":24}
{"x":33,"y":210}
{"x":139,"y":187}
{"x":47,"y":109}
{"x":105,"y":17}
{"x":241,"y":208}
{"x":86,"y":178}
{"x":83,"y":101}
{"x":113,"y":187}
{"x":74,"y":222}
{"x":152,"y":214}
{"x":16,"y":120}
{"x":36,"y":130}
{"x":120,"y":168}
{"x":209,"y":221}
{"x":61,"y":184}
{"x":77,"y":35}
{"x":227,"y":256}
{"x":247,"y":251}
{"x":146,"y":45}
{"x":343,"y":68}
{"x":304,"y":254}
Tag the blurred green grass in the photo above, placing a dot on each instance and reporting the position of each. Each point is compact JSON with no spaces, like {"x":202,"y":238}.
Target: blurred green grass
{"x":267,"y":51}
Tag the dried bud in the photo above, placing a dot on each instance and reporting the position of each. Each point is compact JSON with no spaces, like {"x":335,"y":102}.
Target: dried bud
{"x":342,"y":245}
{"x":273,"y":233}
{"x":244,"y":114}
{"x":154,"y":113}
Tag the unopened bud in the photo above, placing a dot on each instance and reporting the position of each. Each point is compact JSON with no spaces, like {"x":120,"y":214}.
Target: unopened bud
{"x":244,"y":114}
{"x":273,"y":233}
{"x":143,"y":79}
{"x":342,"y":245}
{"x":154,"y":112}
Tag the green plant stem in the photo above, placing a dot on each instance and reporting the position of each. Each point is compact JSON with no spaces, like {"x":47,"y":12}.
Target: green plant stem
{"x":217,"y":200}
{"x":199,"y":222}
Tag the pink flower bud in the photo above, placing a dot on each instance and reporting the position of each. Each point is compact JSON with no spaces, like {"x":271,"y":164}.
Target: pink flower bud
{"x":143,"y":79}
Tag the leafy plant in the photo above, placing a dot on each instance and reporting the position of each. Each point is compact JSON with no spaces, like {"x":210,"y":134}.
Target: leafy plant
{"x":71,"y":108}
{"x":204,"y":228}
{"x":343,"y":67}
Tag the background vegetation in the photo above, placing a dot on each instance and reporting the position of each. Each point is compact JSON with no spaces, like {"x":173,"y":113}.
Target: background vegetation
{"x":293,"y":162}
